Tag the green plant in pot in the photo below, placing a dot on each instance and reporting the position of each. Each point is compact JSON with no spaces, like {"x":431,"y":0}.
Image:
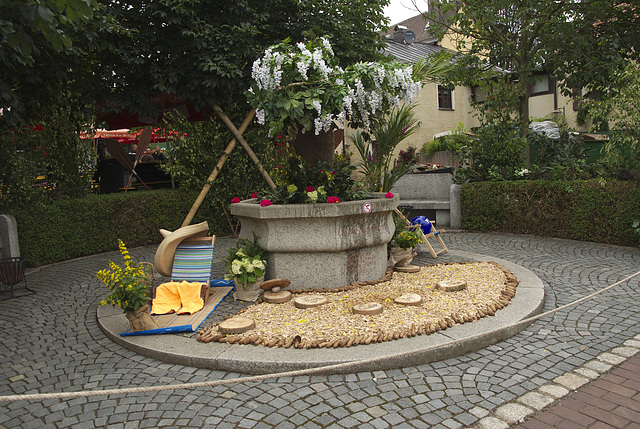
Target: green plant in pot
{"x":402,"y":244}
{"x":130,"y":287}
{"x":381,"y":169}
{"x":246,"y":264}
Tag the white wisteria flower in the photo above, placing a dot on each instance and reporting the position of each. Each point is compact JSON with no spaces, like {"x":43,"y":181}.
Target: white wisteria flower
{"x":303,"y":86}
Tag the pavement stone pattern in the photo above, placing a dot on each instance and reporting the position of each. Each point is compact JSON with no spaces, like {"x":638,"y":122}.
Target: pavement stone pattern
{"x":51,"y":342}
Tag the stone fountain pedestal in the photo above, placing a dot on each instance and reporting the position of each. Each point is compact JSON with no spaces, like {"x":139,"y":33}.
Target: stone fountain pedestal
{"x":322,"y":245}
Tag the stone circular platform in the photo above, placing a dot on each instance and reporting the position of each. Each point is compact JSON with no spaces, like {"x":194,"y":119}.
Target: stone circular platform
{"x":249,"y":359}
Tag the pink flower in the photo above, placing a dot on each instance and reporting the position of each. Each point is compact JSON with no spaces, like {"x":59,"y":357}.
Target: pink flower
{"x":235,"y":200}
{"x":388,"y":195}
{"x":254,"y":195}
{"x":310,"y":189}
{"x":333,"y":200}
{"x":265,"y":203}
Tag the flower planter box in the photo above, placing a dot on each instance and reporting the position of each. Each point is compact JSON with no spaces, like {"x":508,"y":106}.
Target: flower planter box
{"x":321,"y":245}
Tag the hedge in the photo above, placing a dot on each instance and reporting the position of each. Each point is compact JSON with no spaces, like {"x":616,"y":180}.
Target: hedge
{"x":72,"y":228}
{"x":593,"y":210}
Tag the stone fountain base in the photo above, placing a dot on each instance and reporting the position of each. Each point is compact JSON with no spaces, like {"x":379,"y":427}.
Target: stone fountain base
{"x":322,"y":245}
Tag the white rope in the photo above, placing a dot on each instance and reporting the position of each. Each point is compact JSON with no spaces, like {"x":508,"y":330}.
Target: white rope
{"x":295,"y":373}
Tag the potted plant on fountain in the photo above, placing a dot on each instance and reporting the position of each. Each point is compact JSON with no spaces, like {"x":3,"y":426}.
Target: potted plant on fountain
{"x":402,"y":244}
{"x":246,"y":264}
{"x":130,"y":287}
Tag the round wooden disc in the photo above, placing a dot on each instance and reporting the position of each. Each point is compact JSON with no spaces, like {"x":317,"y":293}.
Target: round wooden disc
{"x":279,"y":297}
{"x":451,"y":285}
{"x":368,"y":308}
{"x":270,"y":284}
{"x":236,"y":325}
{"x":408,"y":269}
{"x":409,"y":299}
{"x":308,"y":301}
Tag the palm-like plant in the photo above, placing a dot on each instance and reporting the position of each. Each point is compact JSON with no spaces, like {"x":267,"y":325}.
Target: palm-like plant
{"x":379,"y":166}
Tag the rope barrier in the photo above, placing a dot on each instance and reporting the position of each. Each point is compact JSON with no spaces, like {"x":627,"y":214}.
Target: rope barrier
{"x":295,"y":373}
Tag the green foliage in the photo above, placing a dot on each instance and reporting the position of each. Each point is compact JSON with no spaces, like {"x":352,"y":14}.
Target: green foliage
{"x":193,"y":156}
{"x":70,"y":228}
{"x":406,"y":239}
{"x":51,"y":150}
{"x":580,"y":210}
{"x":497,"y":150}
{"x":381,"y":170}
{"x":455,"y":141}
{"x":129,"y":284}
{"x":621,"y":107}
{"x":41,"y":51}
{"x":299,"y":181}
{"x":246,"y":261}
{"x":496,"y":153}
{"x":560,"y":159}
{"x":636,"y":227}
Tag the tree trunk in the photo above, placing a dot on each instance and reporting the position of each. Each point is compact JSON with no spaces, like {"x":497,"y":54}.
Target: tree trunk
{"x":313,"y":148}
{"x":523,"y":113}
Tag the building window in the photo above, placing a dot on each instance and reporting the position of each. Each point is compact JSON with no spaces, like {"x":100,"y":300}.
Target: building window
{"x":445,"y":98}
{"x":478,"y":95}
{"x":542,"y":85}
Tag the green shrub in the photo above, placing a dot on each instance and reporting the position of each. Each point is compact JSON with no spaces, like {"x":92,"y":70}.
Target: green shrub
{"x":454,"y":141}
{"x":72,"y":228}
{"x":590,"y":210}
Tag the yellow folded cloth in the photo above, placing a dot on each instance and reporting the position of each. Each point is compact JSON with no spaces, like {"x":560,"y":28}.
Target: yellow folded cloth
{"x":182,"y":297}
{"x":190,"y":297}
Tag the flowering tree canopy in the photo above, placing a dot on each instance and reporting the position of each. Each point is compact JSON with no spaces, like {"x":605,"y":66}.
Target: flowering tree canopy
{"x":302,"y":86}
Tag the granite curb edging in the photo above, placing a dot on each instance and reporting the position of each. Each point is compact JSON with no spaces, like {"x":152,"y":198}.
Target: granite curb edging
{"x":248,"y":359}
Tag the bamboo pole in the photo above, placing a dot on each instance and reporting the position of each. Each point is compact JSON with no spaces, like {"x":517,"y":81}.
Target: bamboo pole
{"x":216,"y":169}
{"x":244,"y":144}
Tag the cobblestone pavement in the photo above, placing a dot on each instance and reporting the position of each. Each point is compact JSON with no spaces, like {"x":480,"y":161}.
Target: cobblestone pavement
{"x":51,"y":342}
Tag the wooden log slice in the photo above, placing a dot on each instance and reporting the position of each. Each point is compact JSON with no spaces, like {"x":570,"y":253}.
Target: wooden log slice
{"x":309,"y":301}
{"x":236,"y":325}
{"x":270,"y":284}
{"x":408,"y":269}
{"x":451,"y":285}
{"x":368,"y":308}
{"x":409,"y":299}
{"x":277,"y":297}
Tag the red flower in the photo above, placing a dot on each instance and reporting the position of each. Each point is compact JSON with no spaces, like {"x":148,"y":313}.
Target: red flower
{"x":265,"y":203}
{"x":254,"y":195}
{"x":333,"y":200}
{"x":388,"y":195}
{"x":310,"y":189}
{"x":235,"y":200}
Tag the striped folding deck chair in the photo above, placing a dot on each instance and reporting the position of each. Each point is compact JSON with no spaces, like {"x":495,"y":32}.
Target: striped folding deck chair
{"x":192,"y":262}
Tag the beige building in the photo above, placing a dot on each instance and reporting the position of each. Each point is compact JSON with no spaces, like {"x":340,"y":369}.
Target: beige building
{"x":441,"y":109}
